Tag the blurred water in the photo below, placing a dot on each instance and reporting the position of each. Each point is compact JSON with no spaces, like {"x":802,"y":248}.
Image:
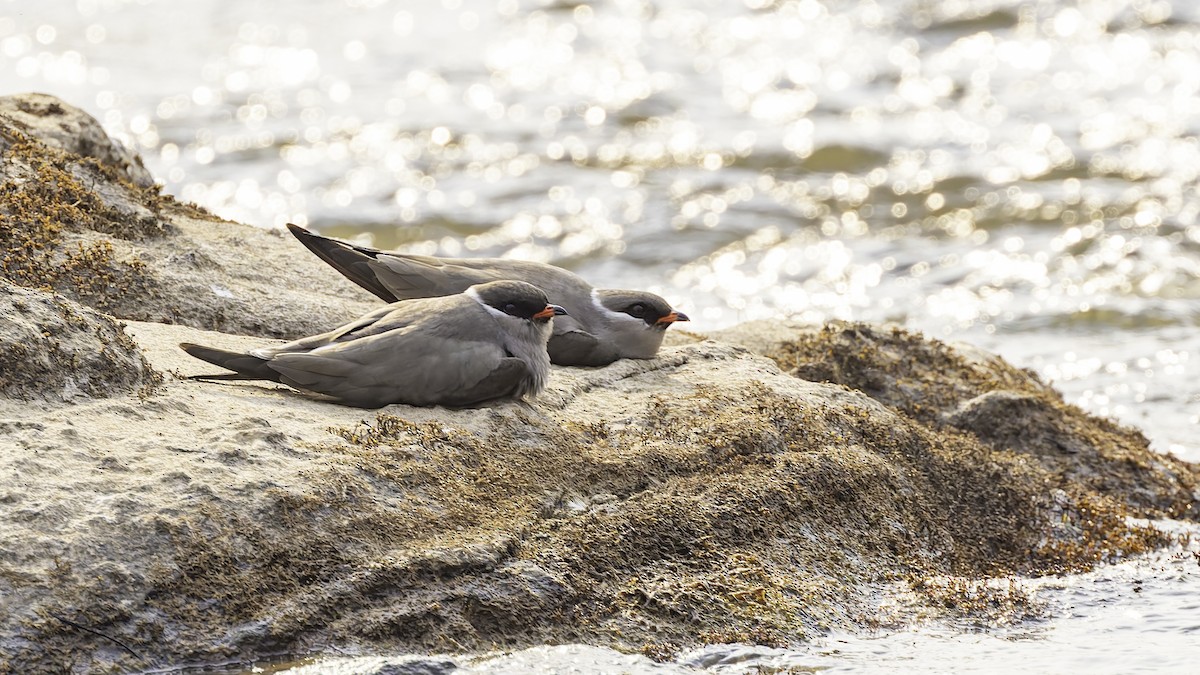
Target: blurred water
{"x":1020,"y":175}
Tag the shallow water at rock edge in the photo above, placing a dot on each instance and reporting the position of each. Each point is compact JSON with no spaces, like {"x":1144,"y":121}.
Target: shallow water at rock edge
{"x":1088,"y":619}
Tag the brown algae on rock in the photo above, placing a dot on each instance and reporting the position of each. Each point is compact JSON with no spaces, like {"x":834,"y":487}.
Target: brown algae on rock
{"x":42,"y":199}
{"x":757,"y":512}
{"x":79,"y":215}
{"x":1005,"y":407}
{"x":61,"y":125}
{"x":651,"y":506}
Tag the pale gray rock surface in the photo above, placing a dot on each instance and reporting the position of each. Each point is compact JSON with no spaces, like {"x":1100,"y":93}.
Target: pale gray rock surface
{"x":53,"y":348}
{"x":61,"y":125}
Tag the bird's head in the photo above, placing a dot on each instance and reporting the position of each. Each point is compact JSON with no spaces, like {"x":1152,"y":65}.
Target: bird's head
{"x":516,"y":299}
{"x":638,"y":320}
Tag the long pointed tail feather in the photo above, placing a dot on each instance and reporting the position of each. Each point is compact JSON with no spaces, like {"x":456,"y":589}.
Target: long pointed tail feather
{"x":245,"y":366}
{"x":353,"y":262}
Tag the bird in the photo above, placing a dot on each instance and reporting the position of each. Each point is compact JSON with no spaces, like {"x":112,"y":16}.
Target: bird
{"x":488,"y":342}
{"x":601,"y":326}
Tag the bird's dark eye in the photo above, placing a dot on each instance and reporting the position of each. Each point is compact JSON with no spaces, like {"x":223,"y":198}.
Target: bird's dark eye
{"x":637,"y":310}
{"x":510,"y":308}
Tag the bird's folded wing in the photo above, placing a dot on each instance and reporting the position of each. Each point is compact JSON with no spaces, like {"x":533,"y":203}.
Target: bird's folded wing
{"x":245,"y":366}
{"x":503,"y":381}
{"x":580,"y":348}
{"x":386,"y":318}
{"x":415,"y":368}
{"x":354,"y":262}
{"x":421,"y":277}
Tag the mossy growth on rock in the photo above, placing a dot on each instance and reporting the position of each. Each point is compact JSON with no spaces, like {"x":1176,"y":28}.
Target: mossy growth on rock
{"x":61,"y":125}
{"x":81,"y":216}
{"x":744,"y":510}
{"x":53,"y":348}
{"x":1004,"y":407}
{"x":48,"y":193}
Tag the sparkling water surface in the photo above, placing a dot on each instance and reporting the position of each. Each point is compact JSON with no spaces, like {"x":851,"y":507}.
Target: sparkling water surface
{"x":1018,"y":175}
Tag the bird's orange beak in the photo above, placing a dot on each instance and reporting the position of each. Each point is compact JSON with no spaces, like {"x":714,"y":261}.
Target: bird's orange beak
{"x":550,"y":311}
{"x":672,"y":318}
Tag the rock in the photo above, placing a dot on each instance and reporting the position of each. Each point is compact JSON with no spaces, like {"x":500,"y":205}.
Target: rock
{"x":705,"y":496}
{"x":56,"y":349}
{"x":1018,"y":422}
{"x":962,"y":387}
{"x":63,"y":126}
{"x":711,"y":495}
{"x":77,"y":215}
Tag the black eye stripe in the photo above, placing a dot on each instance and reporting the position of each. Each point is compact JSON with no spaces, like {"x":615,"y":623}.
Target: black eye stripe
{"x":520,"y":308}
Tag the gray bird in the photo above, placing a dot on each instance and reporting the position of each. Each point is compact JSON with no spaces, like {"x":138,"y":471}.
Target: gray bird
{"x":601,"y":327}
{"x":458,"y":350}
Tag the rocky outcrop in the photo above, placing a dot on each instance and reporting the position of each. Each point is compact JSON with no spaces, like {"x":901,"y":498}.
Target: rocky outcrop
{"x":762,"y":485}
{"x":79,"y":215}
{"x":60,"y":125}
{"x":958,"y":388}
